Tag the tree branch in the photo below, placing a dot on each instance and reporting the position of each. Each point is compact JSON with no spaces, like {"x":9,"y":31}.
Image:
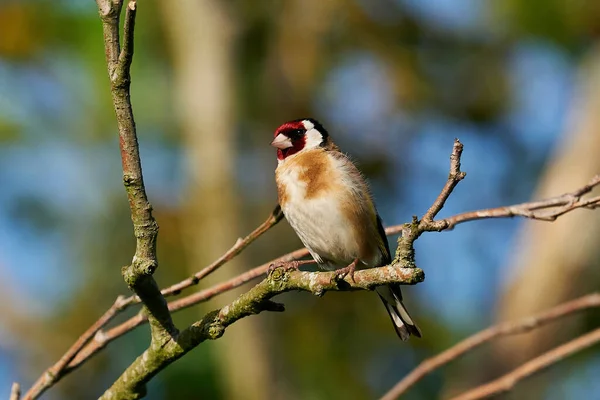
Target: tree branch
{"x":102,"y":338}
{"x":454,"y":177}
{"x":405,"y":253}
{"x":15,"y":391}
{"x":241,"y":244}
{"x":508,"y":381}
{"x":131,"y":384}
{"x":544,"y":210}
{"x":238,"y":247}
{"x":138,"y":275}
{"x":487,"y":335}
{"x":99,"y":338}
{"x":55,"y":372}
{"x":212,"y":326}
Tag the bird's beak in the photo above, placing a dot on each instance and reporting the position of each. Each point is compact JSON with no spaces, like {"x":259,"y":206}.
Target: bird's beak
{"x":282,"y":142}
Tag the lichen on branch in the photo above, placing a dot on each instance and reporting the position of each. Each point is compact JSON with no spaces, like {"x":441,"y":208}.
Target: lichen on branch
{"x":131,"y":384}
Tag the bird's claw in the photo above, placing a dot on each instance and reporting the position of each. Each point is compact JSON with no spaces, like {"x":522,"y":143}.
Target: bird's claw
{"x":340,"y":274}
{"x":286,"y":265}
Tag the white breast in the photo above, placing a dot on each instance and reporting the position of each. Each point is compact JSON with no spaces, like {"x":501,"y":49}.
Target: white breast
{"x":320,"y":221}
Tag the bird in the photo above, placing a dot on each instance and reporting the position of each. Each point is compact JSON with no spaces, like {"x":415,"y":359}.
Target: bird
{"x":327,"y":202}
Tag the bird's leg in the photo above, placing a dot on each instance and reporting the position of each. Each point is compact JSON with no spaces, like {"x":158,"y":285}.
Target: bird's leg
{"x":349,"y":270}
{"x":289,"y":265}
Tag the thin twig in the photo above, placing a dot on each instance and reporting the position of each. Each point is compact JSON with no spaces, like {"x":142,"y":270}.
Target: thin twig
{"x":103,"y":338}
{"x":489,"y":334}
{"x":405,"y":252}
{"x":454,"y":177}
{"x":273,"y":219}
{"x":55,"y":372}
{"x":508,"y":381}
{"x":542,"y":210}
{"x":15,"y":391}
{"x":237,"y":248}
{"x":239,"y":280}
{"x":126,"y":54}
{"x":110,"y":12}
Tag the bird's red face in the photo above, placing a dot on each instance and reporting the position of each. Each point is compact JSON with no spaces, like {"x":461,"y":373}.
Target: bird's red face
{"x":290,"y":138}
{"x":296,"y":136}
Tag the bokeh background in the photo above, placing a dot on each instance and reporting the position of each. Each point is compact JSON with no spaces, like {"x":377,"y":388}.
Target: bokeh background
{"x":394,"y":81}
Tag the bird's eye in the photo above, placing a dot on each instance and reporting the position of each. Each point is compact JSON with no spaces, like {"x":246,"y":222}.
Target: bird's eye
{"x":295,"y":134}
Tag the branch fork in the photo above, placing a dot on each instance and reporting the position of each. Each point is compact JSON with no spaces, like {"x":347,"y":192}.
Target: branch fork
{"x":405,"y":253}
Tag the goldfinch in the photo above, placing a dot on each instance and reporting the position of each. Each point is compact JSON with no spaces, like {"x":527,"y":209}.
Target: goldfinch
{"x":327,"y":202}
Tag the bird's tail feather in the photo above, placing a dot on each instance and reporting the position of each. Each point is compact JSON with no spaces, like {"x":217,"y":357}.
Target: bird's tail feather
{"x":403,"y":323}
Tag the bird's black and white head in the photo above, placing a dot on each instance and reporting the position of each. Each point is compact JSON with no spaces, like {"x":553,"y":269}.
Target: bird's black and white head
{"x":299,"y":135}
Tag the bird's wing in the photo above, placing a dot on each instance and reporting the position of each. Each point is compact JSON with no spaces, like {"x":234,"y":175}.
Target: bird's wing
{"x":383,"y":243}
{"x":361,"y":182}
